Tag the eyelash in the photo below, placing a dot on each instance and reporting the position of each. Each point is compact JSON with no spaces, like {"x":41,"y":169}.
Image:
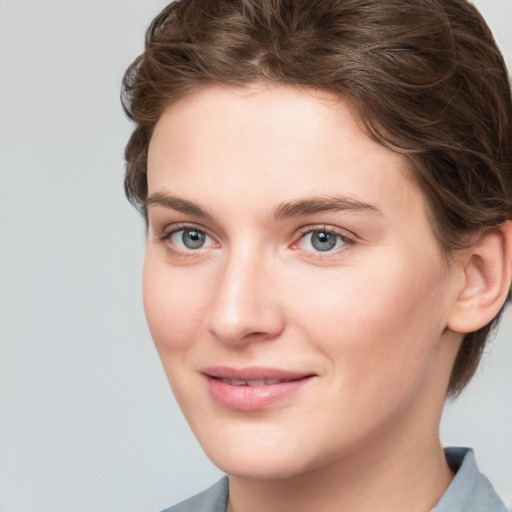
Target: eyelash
{"x":166,"y":236}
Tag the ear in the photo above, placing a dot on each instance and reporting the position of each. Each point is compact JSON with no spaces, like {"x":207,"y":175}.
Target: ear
{"x":487,"y":274}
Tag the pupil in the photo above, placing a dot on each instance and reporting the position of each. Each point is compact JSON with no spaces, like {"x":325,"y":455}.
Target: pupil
{"x":323,"y":241}
{"x":193,"y":239}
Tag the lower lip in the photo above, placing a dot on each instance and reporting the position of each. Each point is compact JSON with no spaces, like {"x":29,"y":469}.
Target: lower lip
{"x":252,"y":398}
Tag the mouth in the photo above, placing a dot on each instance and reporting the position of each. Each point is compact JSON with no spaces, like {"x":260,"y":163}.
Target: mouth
{"x":253,"y":389}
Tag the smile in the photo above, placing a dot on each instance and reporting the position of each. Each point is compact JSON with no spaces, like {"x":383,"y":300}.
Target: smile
{"x":253,"y":389}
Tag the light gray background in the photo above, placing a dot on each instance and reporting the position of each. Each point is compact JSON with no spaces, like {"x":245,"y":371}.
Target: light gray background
{"x":87,"y":420}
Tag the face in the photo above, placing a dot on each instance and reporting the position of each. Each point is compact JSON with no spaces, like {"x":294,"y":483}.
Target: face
{"x":292,"y":284}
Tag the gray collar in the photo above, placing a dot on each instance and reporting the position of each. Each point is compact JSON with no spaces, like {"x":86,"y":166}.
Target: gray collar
{"x":470,"y":490}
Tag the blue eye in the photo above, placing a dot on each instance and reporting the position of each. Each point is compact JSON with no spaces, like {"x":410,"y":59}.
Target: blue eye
{"x":321,"y":241}
{"x":189,"y":239}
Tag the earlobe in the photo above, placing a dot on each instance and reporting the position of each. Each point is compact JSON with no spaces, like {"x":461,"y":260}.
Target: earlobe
{"x":487,"y":280}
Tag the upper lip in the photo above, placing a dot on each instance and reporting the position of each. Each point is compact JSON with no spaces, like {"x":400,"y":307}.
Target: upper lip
{"x":254,"y":373}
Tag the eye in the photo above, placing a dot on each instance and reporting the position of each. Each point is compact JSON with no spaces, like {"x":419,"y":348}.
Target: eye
{"x":322,"y":240}
{"x":189,"y":239}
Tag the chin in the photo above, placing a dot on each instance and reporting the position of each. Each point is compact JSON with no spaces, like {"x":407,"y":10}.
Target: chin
{"x":261,"y":466}
{"x":263,"y":455}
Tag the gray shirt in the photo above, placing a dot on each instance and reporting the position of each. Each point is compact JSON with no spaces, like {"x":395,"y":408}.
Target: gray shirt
{"x":470,"y":490}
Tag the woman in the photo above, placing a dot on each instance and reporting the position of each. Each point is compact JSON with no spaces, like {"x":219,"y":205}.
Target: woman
{"x":327,"y":189}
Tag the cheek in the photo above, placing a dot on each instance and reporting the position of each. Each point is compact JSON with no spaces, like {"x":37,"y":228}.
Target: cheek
{"x":172,"y":303}
{"x":380,"y":321}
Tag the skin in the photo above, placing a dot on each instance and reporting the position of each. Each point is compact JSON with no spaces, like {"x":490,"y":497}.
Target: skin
{"x":368,"y":318}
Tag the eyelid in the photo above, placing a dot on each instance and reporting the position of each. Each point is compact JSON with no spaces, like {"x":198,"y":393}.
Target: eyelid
{"x":178,"y":226}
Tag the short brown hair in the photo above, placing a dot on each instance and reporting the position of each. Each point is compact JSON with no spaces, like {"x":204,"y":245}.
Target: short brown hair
{"x":425,"y":78}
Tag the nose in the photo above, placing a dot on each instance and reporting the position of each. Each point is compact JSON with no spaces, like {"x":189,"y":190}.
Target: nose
{"x":245,"y":303}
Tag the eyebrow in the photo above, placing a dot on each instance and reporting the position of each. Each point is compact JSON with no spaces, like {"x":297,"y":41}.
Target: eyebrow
{"x":313,"y":205}
{"x":294,"y":208}
{"x":175,"y":203}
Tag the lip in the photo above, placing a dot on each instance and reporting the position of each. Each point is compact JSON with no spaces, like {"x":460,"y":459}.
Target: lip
{"x":268,"y":386}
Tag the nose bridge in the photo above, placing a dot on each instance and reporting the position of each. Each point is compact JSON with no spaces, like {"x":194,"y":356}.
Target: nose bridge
{"x":243,"y":302}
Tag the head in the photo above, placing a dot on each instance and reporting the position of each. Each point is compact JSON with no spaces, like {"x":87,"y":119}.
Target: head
{"x":424,"y":79}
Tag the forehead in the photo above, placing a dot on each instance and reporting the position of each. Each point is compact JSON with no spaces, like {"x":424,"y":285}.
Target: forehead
{"x":262,"y":145}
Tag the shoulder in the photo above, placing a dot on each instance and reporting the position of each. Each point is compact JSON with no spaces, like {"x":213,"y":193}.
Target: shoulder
{"x":470,"y":490}
{"x":213,"y":499}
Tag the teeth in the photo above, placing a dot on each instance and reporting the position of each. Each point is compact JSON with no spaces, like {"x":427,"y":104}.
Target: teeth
{"x":260,"y":382}
{"x":256,"y":382}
